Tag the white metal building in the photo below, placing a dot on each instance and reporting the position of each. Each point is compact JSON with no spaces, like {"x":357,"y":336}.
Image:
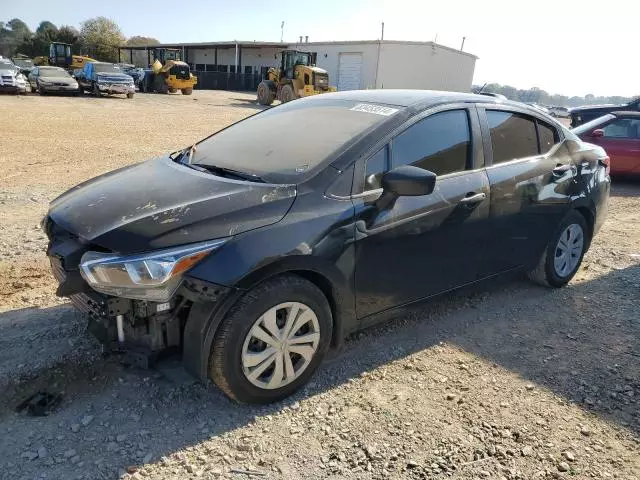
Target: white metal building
{"x":351,"y":65}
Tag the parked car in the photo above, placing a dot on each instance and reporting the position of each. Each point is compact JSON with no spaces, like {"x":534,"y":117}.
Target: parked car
{"x":11,"y":80}
{"x":101,"y":77}
{"x":253,"y":258}
{"x":24,"y":64}
{"x":558,"y":112}
{"x":580,"y":115}
{"x":134,"y":72}
{"x":46,"y":80}
{"x":619,"y":134}
{"x":539,"y":107}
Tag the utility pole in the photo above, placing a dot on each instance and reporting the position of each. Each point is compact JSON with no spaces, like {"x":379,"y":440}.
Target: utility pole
{"x":281,"y":31}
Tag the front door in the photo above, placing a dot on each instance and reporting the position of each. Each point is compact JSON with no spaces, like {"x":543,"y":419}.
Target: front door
{"x":424,"y":245}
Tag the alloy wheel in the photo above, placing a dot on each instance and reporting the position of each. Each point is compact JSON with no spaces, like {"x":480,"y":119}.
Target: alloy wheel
{"x":569,"y":250}
{"x":280,"y":345}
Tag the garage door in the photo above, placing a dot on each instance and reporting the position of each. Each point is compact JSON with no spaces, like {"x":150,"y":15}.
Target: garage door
{"x":349,"y":71}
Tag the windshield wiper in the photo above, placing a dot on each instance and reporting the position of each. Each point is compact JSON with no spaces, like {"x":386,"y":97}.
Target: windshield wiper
{"x":184,"y":156}
{"x":226,"y":172}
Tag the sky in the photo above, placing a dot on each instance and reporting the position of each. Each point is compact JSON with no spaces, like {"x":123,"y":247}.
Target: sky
{"x":569,"y":47}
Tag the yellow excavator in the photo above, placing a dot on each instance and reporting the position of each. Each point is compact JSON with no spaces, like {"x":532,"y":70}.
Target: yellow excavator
{"x":168,"y":73}
{"x":297,"y":77}
{"x":60,"y":56}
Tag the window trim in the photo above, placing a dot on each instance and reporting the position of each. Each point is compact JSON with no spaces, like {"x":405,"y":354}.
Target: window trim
{"x":486,"y":132}
{"x":477,"y":153}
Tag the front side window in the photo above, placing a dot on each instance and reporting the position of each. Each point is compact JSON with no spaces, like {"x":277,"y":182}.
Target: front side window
{"x":623,"y":128}
{"x":377,"y":165}
{"x":440,"y":143}
{"x":512,"y":136}
{"x":548,"y":136}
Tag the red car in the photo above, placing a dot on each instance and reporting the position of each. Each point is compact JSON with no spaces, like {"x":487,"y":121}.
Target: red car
{"x":619,"y":134}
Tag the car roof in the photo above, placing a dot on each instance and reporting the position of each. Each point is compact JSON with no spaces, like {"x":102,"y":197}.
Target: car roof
{"x":407,"y":98}
{"x":627,"y":114}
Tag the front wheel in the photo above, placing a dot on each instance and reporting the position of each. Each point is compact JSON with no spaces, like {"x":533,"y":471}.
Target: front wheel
{"x":187,"y":91}
{"x":271,"y":341}
{"x":564,"y":252}
{"x":129,"y":95}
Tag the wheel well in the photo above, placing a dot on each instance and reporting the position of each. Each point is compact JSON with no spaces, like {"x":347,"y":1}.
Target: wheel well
{"x":326,"y":288}
{"x":590,"y":219}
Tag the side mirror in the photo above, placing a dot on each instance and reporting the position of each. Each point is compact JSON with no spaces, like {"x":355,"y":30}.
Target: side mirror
{"x":408,"y":181}
{"x":597,"y":133}
{"x":405,"y":181}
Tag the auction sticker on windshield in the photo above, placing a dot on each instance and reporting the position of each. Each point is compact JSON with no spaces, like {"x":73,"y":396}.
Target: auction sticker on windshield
{"x":377,"y":109}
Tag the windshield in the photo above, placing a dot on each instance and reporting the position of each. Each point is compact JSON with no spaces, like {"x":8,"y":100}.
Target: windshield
{"x":585,"y":127}
{"x":285,"y":144}
{"x":53,"y":72}
{"x":107,"y":68}
{"x":23,"y":63}
{"x":6,"y":64}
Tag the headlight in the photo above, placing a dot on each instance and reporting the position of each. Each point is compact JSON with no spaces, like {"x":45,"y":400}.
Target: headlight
{"x":151,"y":276}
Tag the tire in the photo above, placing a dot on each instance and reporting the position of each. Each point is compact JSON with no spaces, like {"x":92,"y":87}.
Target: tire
{"x":187,"y":91}
{"x":549,"y":272}
{"x":266,"y":96}
{"x":173,"y":90}
{"x":96,"y":90}
{"x":235,"y":343}
{"x":287,"y":94}
{"x":129,"y":95}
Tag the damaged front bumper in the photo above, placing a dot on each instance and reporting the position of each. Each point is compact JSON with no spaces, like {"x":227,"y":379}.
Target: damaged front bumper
{"x":144,"y":330}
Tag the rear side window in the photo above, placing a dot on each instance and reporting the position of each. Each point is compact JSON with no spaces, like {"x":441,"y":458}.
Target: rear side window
{"x":623,"y":128}
{"x":439,"y":143}
{"x":512,"y":136}
{"x":548,"y":136}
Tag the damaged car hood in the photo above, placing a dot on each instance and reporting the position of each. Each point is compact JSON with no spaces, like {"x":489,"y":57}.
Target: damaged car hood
{"x":159,"y":203}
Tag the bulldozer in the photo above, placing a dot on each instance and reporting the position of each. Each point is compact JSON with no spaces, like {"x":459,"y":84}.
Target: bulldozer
{"x":168,"y":73}
{"x":60,"y":56}
{"x":297,"y":77}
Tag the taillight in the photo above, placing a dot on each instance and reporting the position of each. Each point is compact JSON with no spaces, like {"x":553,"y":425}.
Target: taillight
{"x":606,"y":163}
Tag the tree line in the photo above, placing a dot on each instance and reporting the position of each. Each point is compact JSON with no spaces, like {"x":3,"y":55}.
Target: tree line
{"x":541,"y":97}
{"x":98,"y":38}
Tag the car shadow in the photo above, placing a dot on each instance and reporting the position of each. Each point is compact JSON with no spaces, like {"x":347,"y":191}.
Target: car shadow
{"x":581,"y":342}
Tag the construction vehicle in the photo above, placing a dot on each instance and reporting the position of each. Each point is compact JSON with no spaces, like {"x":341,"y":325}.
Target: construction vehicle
{"x":168,"y":73}
{"x":297,"y":77}
{"x":60,"y":56}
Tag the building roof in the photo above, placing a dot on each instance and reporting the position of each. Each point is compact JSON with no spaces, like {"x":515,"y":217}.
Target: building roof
{"x":296,"y":45}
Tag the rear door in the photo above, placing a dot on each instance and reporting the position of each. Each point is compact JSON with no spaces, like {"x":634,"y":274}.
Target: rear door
{"x":621,"y":141}
{"x":427,"y":244}
{"x":531,"y":176}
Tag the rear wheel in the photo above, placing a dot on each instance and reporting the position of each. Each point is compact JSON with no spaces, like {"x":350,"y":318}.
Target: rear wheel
{"x":287,"y":94}
{"x":187,"y":91}
{"x":173,"y":90}
{"x":265,"y":94}
{"x":564,"y":252}
{"x":272,"y":340}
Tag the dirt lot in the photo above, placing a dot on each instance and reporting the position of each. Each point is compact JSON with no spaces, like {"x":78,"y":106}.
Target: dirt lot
{"x":505,"y":381}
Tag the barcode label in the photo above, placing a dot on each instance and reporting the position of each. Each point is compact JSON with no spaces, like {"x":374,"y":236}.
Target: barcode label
{"x":377,"y":109}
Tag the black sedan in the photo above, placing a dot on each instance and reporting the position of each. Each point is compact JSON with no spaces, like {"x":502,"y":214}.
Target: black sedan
{"x":259,"y":248}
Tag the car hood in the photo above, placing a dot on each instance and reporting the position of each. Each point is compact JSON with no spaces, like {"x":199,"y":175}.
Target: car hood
{"x":159,"y":204}
{"x":8,"y":71}
{"x":110,"y":76}
{"x":62,"y":79}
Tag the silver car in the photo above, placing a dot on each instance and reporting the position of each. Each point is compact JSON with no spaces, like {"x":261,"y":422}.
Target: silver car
{"x":11,"y":80}
{"x":52,"y":80}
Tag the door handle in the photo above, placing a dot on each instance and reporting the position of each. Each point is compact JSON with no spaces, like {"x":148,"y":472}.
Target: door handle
{"x":560,"y":170}
{"x":473,"y":198}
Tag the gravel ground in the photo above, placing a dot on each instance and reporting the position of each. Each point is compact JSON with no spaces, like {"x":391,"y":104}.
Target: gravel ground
{"x":503,"y":381}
